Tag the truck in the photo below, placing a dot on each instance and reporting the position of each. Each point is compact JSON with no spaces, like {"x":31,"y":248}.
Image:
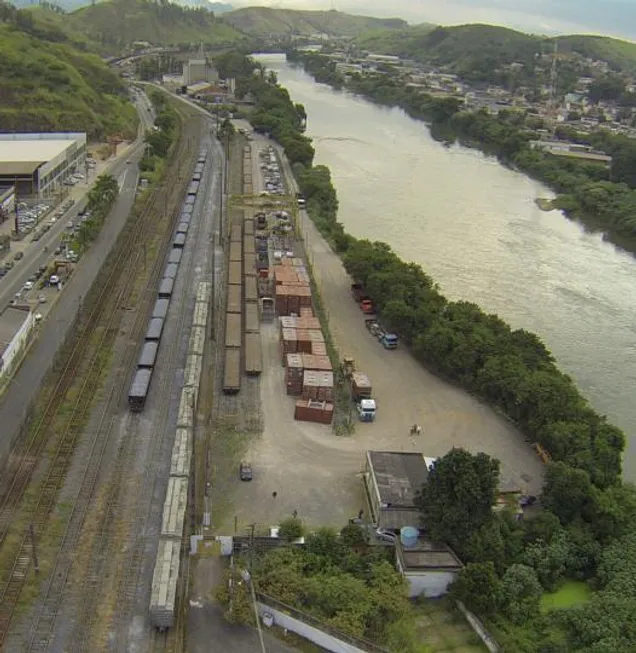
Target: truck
{"x":387,"y":340}
{"x":359,"y":294}
{"x":366,"y":410}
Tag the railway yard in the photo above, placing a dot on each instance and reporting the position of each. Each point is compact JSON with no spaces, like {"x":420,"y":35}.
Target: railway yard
{"x":201,"y":347}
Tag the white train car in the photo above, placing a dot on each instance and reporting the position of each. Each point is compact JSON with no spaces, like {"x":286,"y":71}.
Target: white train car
{"x":181,"y":453}
{"x":185,"y":417}
{"x":174,"y":508}
{"x":164,"y":584}
{"x":200,"y":317}
{"x":204,"y":290}
{"x":192,"y":375}
{"x":197,"y":341}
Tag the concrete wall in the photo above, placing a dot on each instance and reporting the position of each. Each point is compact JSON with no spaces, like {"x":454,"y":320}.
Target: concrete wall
{"x":318,"y":637}
{"x":432,"y":584}
{"x":16,"y":344}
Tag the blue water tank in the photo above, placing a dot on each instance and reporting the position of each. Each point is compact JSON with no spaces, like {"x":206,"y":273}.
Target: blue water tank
{"x":409,"y":536}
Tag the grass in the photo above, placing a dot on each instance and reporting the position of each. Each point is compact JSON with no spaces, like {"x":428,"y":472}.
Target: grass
{"x":572,"y":592}
{"x":444,"y":630}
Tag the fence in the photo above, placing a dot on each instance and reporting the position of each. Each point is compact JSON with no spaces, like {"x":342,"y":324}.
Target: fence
{"x":479,"y":628}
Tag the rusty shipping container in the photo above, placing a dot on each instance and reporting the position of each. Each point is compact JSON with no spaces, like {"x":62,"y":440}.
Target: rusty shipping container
{"x":320,"y":412}
{"x":318,"y":386}
{"x":288,"y":343}
{"x":319,"y":348}
{"x":294,"y":374}
{"x":232,"y":371}
{"x":235,"y":276}
{"x":251,"y":289}
{"x":309,"y":323}
{"x":253,"y":354}
{"x":233,"y":335}
{"x":233,"y":299}
{"x":236,"y":253}
{"x":306,"y":311}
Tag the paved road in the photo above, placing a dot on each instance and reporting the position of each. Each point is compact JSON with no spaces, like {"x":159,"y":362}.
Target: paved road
{"x":26,"y":383}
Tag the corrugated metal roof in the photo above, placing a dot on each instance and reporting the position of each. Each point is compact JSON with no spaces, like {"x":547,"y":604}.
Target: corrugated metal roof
{"x":14,"y":168}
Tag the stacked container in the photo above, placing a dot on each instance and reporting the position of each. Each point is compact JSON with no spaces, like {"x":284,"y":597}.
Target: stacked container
{"x":314,"y":411}
{"x":318,"y":386}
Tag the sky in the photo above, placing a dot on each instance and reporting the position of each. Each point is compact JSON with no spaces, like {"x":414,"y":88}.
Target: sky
{"x":611,"y":17}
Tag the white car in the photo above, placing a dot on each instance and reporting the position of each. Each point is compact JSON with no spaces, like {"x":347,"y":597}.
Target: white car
{"x":54,"y":280}
{"x":28,"y":285}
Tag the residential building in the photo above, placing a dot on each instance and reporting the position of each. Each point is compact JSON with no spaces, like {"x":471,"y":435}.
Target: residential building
{"x":199,"y":70}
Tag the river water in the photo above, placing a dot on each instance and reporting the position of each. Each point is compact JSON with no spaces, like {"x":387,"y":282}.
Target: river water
{"x":473,"y":225}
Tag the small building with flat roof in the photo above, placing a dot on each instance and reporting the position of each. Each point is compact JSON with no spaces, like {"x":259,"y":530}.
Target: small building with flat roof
{"x":392,"y":481}
{"x":429,"y":567}
{"x":38,"y":164}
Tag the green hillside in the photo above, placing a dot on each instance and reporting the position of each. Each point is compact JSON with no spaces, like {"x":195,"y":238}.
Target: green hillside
{"x":264,"y":21}
{"x":48,"y":86}
{"x":119,"y":23}
{"x":474,"y":50}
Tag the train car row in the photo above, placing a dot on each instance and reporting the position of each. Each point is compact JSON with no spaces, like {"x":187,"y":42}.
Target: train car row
{"x":164,"y":592}
{"x":142,"y":379}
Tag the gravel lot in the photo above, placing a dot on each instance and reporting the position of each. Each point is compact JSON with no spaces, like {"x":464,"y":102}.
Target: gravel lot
{"x":316,"y":472}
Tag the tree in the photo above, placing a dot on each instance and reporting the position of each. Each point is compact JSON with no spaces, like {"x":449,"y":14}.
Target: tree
{"x":520,"y":593}
{"x":477,"y":587}
{"x":459,"y":495}
{"x":568,"y":492}
{"x":353,"y":535}
{"x":291,"y":529}
{"x":548,"y":559}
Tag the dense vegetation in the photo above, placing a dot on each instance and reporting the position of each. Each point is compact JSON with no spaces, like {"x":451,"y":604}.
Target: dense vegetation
{"x":581,"y":532}
{"x":478,"y":52}
{"x":340,"y":581}
{"x":161,"y":138}
{"x":266,"y":22}
{"x":585,"y":527}
{"x":48,"y":85}
{"x":101,"y":198}
{"x":604,"y":196}
{"x":118,"y":23}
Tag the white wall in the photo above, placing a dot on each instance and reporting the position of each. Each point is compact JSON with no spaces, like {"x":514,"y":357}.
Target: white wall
{"x":318,"y":637}
{"x":16,"y":344}
{"x":431,"y":584}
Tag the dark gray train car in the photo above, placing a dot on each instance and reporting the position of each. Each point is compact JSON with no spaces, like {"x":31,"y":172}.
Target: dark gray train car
{"x":190,"y":200}
{"x":182,"y":228}
{"x":155,"y":327}
{"x":179,"y":240}
{"x":185,"y":218}
{"x":171,"y":271}
{"x":232,"y":371}
{"x":148,"y":354}
{"x":196,"y":176}
{"x":165,"y":288}
{"x":161,"y":308}
{"x":193,"y":188}
{"x":175,"y":255}
{"x":199,"y":167}
{"x":187,"y":208}
{"x":138,"y":392}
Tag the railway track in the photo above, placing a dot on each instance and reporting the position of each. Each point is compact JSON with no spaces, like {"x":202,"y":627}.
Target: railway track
{"x":128,"y":508}
{"x":103,"y":320}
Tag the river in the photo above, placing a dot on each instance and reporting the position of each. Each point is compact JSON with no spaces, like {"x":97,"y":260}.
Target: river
{"x":473,"y":225}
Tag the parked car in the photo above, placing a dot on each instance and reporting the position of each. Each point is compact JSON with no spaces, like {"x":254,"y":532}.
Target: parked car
{"x":245,"y":471}
{"x":18,"y":255}
{"x":28,"y":286}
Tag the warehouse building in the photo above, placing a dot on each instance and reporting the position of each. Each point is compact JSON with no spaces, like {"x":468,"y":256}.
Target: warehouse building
{"x":7,"y":201}
{"x":39,"y":164}
{"x":392,"y":481}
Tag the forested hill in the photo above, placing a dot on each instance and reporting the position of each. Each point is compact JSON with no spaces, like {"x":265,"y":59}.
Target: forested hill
{"x":473,"y":49}
{"x":47,"y":84}
{"x":264,"y":22}
{"x":118,"y":23}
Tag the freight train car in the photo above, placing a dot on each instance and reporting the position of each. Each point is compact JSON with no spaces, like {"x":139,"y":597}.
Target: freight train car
{"x":175,"y":255}
{"x":233,"y":299}
{"x":235,"y":274}
{"x":165,"y":288}
{"x":232,"y":371}
{"x":253,"y":354}
{"x":138,"y":392}
{"x":233,"y":330}
{"x":164,"y":584}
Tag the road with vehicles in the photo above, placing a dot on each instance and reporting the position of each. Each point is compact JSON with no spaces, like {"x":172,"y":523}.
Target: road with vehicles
{"x":15,"y":403}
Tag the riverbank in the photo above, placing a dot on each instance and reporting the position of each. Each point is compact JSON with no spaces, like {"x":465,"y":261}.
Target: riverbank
{"x":600,"y":197}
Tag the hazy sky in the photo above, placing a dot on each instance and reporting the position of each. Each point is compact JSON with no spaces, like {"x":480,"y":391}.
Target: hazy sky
{"x":614,"y":17}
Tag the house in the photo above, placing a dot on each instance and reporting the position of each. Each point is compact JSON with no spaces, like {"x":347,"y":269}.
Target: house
{"x":428,"y":567}
{"x":392,"y":480}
